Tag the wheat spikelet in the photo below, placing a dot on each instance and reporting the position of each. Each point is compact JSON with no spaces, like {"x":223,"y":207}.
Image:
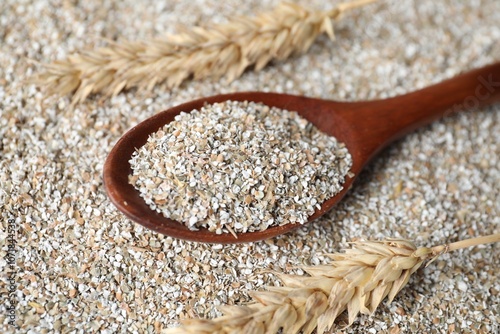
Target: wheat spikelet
{"x":356,"y":280}
{"x":223,"y":50}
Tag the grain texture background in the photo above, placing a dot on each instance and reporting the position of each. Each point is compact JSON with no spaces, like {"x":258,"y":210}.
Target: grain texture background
{"x":82,"y":265}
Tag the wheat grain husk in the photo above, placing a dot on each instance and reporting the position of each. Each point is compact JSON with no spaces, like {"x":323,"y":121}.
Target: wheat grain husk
{"x":357,"y":280}
{"x":223,"y":50}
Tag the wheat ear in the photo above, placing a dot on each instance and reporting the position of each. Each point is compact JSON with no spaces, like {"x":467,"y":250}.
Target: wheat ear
{"x":222,"y":50}
{"x":356,"y":280}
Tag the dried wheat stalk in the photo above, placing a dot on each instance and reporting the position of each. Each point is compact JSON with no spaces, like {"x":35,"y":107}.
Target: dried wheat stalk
{"x":223,"y":50}
{"x":357,"y":281}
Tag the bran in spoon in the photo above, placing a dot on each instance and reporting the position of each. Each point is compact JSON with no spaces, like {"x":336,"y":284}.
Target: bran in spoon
{"x":239,"y":167}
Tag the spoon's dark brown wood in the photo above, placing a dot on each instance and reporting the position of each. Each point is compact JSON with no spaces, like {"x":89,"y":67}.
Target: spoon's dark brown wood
{"x":365,"y":127}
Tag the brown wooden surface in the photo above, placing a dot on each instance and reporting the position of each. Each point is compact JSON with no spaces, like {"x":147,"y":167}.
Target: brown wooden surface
{"x":365,"y":127}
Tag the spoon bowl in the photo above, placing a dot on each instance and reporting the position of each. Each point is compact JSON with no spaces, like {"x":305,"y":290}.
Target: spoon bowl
{"x":364,"y":127}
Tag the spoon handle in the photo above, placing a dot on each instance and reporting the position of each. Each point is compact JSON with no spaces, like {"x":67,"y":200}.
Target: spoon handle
{"x":383,"y":121}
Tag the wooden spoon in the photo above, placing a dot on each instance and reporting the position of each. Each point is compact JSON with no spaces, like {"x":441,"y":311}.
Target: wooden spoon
{"x":365,"y":127}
